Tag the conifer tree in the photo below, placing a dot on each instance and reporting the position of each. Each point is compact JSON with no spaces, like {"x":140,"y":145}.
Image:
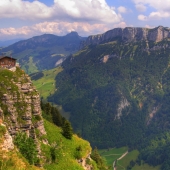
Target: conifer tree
{"x":67,"y":130}
{"x":101,"y":164}
{"x":56,"y":117}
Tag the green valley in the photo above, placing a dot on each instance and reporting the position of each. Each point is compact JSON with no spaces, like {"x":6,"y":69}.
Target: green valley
{"x":129,"y":158}
{"x":117,"y":93}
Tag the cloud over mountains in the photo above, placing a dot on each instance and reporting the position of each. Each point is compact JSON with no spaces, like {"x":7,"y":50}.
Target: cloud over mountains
{"x":84,"y":16}
{"x":26,"y":18}
{"x":161,"y":9}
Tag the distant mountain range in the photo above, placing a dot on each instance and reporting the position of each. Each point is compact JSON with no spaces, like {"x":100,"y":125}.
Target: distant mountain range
{"x":9,"y":42}
{"x":45,"y":51}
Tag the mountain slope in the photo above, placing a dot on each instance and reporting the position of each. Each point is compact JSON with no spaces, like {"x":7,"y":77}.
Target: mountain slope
{"x":26,"y":139}
{"x":117,"y":92}
{"x":45,"y":51}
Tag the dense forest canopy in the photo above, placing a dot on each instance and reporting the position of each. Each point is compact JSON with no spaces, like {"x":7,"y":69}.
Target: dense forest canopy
{"x":118,"y":93}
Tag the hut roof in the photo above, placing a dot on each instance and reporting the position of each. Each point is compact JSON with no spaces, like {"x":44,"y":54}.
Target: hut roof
{"x":7,"y":57}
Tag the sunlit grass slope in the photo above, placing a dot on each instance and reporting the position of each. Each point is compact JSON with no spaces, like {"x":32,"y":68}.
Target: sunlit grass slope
{"x":66,"y":149}
{"x":46,"y":84}
{"x":30,"y":67}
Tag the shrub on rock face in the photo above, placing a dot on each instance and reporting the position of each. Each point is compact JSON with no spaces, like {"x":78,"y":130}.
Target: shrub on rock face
{"x":27,"y":147}
{"x":67,"y":130}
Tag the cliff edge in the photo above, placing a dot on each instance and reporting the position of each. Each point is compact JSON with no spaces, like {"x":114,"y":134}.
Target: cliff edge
{"x":129,"y":34}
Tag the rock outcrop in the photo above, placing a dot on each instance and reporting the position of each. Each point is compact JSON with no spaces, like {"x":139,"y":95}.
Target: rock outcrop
{"x":20,"y":109}
{"x":84,"y":164}
{"x":123,"y":104}
{"x":8,"y":142}
{"x":129,"y":34}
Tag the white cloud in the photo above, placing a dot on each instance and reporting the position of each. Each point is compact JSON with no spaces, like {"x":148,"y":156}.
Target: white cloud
{"x":24,"y":9}
{"x":148,"y":26}
{"x":120,"y":25}
{"x":142,"y":17}
{"x":162,"y":9}
{"x":157,"y":4}
{"x":59,"y":28}
{"x":140,"y":7}
{"x":65,"y":10}
{"x":13,"y":31}
{"x":122,"y":9}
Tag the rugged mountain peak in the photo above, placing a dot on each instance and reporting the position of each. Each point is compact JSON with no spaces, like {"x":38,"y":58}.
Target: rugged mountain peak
{"x":72,"y":34}
{"x":129,"y":34}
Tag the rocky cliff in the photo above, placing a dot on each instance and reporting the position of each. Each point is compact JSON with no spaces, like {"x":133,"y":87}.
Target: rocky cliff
{"x":20,"y":112}
{"x":19,"y":107}
{"x":129,"y":34}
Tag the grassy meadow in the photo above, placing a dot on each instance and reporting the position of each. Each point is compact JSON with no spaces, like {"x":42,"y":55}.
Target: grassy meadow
{"x":65,"y":149}
{"x":110,"y":155}
{"x":46,"y":84}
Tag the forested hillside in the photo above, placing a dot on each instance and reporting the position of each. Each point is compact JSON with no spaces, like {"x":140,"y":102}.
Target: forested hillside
{"x":118,"y":95}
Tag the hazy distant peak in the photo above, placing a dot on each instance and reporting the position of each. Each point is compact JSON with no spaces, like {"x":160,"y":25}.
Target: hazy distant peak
{"x":73,"y":33}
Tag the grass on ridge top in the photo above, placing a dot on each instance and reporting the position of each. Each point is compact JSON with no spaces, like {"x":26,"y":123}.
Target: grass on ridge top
{"x":46,"y":84}
{"x":65,"y":148}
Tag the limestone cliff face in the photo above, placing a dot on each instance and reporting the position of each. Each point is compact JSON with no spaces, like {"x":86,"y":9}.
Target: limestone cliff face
{"x":7,"y":141}
{"x":123,"y":104}
{"x":129,"y":34}
{"x":20,"y":104}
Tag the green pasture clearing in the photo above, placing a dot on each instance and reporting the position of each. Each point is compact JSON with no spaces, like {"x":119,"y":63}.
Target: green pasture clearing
{"x":124,"y":162}
{"x":112,"y":154}
{"x":46,"y":84}
{"x":30,"y":67}
{"x":120,"y":151}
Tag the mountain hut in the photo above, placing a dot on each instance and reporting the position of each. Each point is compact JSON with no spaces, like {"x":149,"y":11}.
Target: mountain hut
{"x":7,"y":62}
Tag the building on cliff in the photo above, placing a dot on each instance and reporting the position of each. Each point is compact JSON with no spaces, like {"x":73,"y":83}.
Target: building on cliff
{"x":7,"y":62}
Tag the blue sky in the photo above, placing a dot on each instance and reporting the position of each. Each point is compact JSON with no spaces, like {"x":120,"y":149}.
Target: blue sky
{"x":27,"y":18}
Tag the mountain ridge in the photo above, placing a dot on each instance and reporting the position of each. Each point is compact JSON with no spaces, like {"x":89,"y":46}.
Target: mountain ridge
{"x":45,"y":51}
{"x":129,"y":34}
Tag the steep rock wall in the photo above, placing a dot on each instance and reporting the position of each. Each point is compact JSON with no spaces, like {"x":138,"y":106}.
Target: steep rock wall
{"x":20,"y":108}
{"x":129,"y":34}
